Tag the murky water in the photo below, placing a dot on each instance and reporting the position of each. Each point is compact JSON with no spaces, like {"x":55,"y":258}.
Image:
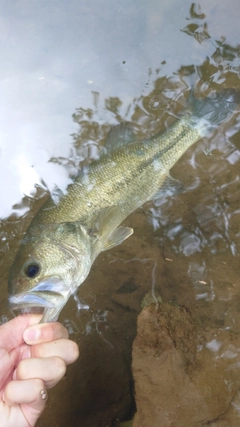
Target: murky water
{"x":71,"y":70}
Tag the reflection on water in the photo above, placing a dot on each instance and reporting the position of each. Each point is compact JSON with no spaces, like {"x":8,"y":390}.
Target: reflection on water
{"x":185,"y":246}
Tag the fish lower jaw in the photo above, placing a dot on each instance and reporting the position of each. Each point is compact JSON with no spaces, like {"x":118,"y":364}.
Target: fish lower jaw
{"x":34,"y":299}
{"x":48,"y":303}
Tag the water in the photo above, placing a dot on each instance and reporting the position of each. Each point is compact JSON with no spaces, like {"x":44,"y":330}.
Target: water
{"x":71,"y":70}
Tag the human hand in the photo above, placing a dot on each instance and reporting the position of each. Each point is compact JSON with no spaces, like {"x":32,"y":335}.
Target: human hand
{"x":33,"y":358}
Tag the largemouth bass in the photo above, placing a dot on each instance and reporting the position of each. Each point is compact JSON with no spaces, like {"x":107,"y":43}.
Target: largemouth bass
{"x":64,"y":238}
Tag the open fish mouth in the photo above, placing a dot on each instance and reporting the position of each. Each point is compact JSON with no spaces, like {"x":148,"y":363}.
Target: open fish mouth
{"x":47,"y":303}
{"x":46,"y":299}
{"x":46,"y":296}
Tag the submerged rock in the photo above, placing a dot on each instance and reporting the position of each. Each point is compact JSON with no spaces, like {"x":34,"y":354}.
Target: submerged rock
{"x":184,"y":376}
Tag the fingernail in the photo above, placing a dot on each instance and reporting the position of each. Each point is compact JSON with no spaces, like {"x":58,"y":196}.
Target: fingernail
{"x":31,"y":334}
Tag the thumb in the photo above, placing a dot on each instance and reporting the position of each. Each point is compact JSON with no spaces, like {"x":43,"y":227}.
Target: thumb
{"x":11,"y":333}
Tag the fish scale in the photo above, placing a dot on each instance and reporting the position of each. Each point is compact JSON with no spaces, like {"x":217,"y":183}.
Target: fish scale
{"x":127,"y":178}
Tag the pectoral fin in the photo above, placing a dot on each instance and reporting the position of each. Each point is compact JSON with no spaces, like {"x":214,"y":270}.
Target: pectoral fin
{"x":117,"y":237}
{"x":105,"y":220}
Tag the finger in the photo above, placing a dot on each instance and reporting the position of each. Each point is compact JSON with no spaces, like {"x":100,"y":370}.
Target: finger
{"x":44,"y":332}
{"x":66,"y":349}
{"x":26,"y":391}
{"x":51,"y":370}
{"x":12,"y":331}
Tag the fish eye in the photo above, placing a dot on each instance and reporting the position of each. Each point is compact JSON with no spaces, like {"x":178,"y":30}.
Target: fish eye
{"x":32,"y":270}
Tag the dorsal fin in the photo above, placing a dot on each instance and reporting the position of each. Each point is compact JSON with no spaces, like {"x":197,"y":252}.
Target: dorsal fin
{"x":119,"y":136}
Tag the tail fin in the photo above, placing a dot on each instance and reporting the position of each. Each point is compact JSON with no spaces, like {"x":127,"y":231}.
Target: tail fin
{"x":209,"y":112}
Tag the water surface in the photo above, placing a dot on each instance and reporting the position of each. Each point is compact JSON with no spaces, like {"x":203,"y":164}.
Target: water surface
{"x":70,"y":71}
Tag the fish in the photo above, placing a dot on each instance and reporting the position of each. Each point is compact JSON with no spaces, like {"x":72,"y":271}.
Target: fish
{"x":70,"y":231}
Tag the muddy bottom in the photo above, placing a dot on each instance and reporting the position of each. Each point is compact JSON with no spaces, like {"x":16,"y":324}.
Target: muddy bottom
{"x":184,"y":375}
